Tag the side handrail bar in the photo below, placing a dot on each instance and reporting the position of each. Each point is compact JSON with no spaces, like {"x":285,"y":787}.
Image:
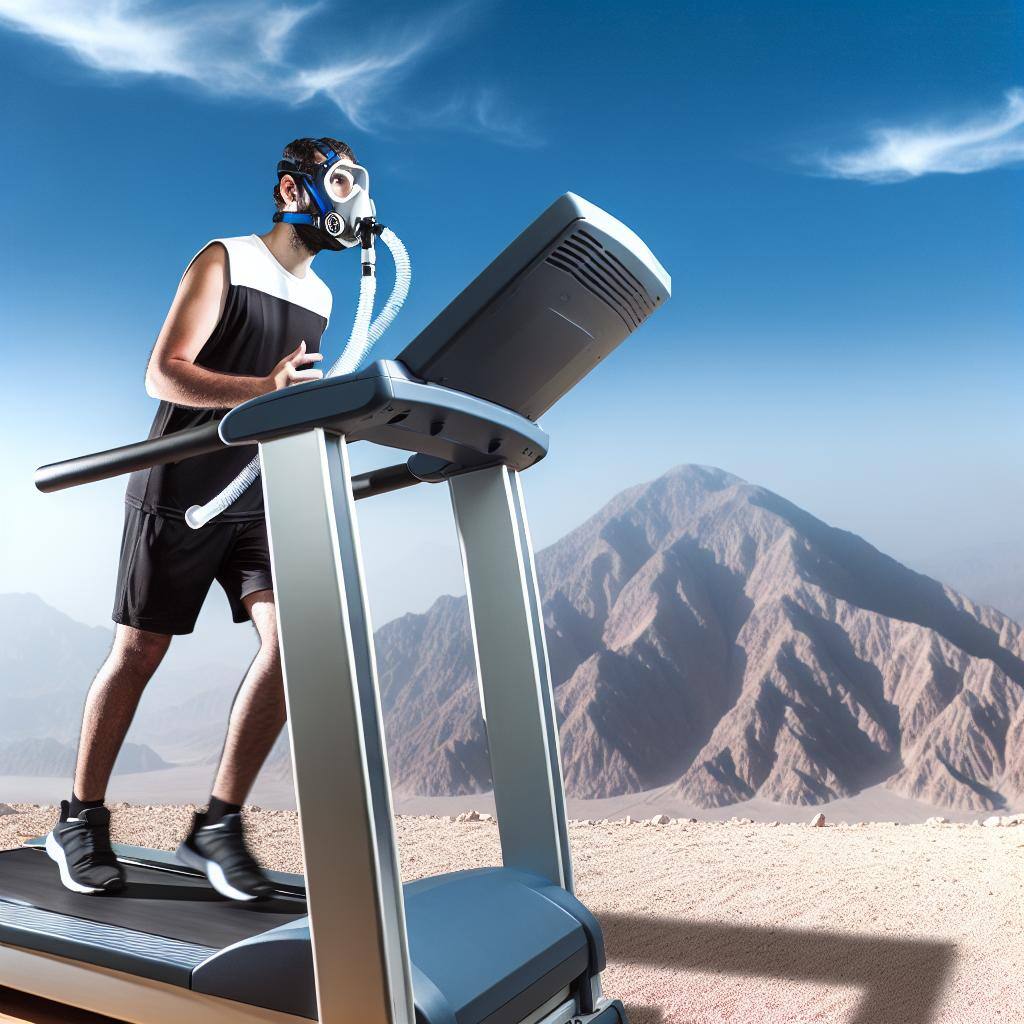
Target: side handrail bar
{"x":157,"y":451}
{"x":185,"y":444}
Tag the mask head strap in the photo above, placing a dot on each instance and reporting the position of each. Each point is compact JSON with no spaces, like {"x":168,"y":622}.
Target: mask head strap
{"x":309,"y":181}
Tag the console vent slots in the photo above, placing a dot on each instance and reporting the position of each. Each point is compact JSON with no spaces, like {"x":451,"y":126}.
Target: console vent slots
{"x":602,"y":274}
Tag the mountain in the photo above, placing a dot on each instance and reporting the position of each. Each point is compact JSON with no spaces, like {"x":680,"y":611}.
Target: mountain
{"x":47,"y":661}
{"x":707,"y":634}
{"x":50,"y":757}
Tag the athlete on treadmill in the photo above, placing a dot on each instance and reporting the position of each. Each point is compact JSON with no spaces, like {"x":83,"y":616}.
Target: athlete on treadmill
{"x":246,"y":320}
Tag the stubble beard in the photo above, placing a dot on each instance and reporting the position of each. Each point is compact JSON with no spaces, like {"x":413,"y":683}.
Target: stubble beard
{"x":299,"y":245}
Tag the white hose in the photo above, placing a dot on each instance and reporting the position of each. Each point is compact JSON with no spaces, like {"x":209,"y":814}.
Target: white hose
{"x":363,"y":337}
{"x":358,"y":343}
{"x":399,"y":292}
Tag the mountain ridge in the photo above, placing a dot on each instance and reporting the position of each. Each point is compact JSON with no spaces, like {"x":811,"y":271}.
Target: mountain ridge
{"x":705,"y":630}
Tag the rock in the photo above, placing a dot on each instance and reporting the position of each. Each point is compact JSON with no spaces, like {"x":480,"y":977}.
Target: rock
{"x":773,"y":824}
{"x":472,"y":815}
{"x":937,"y":821}
{"x":994,"y":822}
{"x":818,"y":821}
{"x":7,"y":809}
{"x":660,"y":819}
{"x":487,"y":817}
{"x":1009,"y":821}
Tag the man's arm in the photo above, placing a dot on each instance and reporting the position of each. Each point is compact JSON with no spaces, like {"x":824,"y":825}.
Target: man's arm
{"x":172,"y":374}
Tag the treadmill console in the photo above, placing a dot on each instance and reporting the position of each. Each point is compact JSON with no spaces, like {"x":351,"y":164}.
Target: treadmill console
{"x":567,"y":292}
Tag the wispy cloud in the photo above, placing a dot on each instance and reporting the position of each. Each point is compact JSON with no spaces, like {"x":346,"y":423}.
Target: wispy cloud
{"x":482,"y":112}
{"x":242,"y":49}
{"x":991,"y":139}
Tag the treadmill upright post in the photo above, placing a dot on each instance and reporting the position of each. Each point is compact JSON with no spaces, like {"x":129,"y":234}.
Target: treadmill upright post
{"x":518,"y":702}
{"x":342,"y":785}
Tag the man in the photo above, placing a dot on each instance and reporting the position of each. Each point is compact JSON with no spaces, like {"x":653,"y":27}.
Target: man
{"x":246,"y":320}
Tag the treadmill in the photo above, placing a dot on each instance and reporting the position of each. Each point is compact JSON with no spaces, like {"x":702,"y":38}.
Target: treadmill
{"x":347,"y":942}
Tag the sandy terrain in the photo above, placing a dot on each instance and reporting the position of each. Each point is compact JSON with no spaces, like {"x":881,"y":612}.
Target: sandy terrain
{"x":873,"y":924}
{"x":191,"y":783}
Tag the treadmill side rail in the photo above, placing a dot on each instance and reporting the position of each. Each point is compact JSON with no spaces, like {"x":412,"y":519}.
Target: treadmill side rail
{"x":513,"y":672}
{"x":342,"y":784}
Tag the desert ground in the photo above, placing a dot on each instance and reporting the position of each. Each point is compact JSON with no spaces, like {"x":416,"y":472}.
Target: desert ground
{"x":188,"y":783}
{"x":712,"y":921}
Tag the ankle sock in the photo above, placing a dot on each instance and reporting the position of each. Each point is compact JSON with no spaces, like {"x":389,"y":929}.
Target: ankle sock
{"x":77,"y":806}
{"x":218,"y":810}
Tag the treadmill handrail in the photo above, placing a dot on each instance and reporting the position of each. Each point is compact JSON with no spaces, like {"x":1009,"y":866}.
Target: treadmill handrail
{"x":156,"y":451}
{"x":382,"y":403}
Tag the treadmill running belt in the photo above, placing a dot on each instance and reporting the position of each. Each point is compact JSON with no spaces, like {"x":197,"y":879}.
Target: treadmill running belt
{"x":174,"y":906}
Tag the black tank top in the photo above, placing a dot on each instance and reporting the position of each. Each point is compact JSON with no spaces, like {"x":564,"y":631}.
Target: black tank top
{"x":267,"y":312}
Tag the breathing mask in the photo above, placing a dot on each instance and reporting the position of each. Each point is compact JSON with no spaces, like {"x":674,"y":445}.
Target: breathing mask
{"x":339,"y":199}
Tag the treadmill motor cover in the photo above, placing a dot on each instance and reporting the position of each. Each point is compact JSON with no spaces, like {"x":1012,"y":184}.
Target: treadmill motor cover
{"x":487,"y":946}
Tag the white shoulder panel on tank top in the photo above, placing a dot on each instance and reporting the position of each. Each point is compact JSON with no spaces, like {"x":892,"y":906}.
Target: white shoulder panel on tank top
{"x":252,"y":265}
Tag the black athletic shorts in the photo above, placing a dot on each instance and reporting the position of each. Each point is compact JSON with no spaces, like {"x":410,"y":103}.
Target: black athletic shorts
{"x":167,"y":568}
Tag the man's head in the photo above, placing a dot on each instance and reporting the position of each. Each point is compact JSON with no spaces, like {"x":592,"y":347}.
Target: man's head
{"x":292,"y":192}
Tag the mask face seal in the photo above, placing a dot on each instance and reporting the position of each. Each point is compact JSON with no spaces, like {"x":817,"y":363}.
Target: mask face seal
{"x":339,"y":199}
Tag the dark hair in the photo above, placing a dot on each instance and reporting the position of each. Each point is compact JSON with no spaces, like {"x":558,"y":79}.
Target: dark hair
{"x":303,"y":152}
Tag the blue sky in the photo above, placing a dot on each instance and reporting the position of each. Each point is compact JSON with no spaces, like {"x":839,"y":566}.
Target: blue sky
{"x":835,"y":188}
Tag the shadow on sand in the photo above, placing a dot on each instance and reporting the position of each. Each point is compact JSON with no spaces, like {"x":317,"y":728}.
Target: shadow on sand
{"x":901,"y":979}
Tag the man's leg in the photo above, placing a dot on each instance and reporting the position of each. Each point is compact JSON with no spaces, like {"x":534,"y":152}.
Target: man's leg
{"x":216,"y":845}
{"x":258,"y":713}
{"x":80,"y":841}
{"x":110,"y":707}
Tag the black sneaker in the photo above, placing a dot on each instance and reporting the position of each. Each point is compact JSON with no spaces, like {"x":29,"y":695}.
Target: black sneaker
{"x":220,"y":853}
{"x":81,"y":847}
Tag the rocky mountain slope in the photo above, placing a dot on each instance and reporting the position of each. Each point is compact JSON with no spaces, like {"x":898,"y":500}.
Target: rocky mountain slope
{"x":708,"y":634}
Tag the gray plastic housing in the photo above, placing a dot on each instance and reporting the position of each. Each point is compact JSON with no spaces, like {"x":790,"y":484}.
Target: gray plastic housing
{"x":487,"y":945}
{"x":387,"y":405}
{"x":567,"y":292}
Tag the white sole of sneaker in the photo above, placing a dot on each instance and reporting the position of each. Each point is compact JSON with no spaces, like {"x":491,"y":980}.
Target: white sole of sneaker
{"x":56,"y":853}
{"x":214,"y":874}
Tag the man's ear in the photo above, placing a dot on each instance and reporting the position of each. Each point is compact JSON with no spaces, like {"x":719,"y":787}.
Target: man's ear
{"x":290,"y":191}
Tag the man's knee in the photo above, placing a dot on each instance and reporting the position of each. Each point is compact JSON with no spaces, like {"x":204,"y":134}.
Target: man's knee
{"x":263,"y":612}
{"x":270,"y":651}
{"x":140,"y":647}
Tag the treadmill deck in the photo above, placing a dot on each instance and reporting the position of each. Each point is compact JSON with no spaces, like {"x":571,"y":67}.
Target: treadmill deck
{"x":161,"y":926}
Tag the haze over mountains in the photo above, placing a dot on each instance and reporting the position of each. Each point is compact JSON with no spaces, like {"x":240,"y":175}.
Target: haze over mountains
{"x":705,"y":635}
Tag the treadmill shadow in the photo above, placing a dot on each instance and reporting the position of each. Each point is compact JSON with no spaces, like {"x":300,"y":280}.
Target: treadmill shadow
{"x":901,"y":979}
{"x":638,"y":1014}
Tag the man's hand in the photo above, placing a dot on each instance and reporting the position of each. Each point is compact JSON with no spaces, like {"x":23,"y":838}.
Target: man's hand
{"x":288,"y":371}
